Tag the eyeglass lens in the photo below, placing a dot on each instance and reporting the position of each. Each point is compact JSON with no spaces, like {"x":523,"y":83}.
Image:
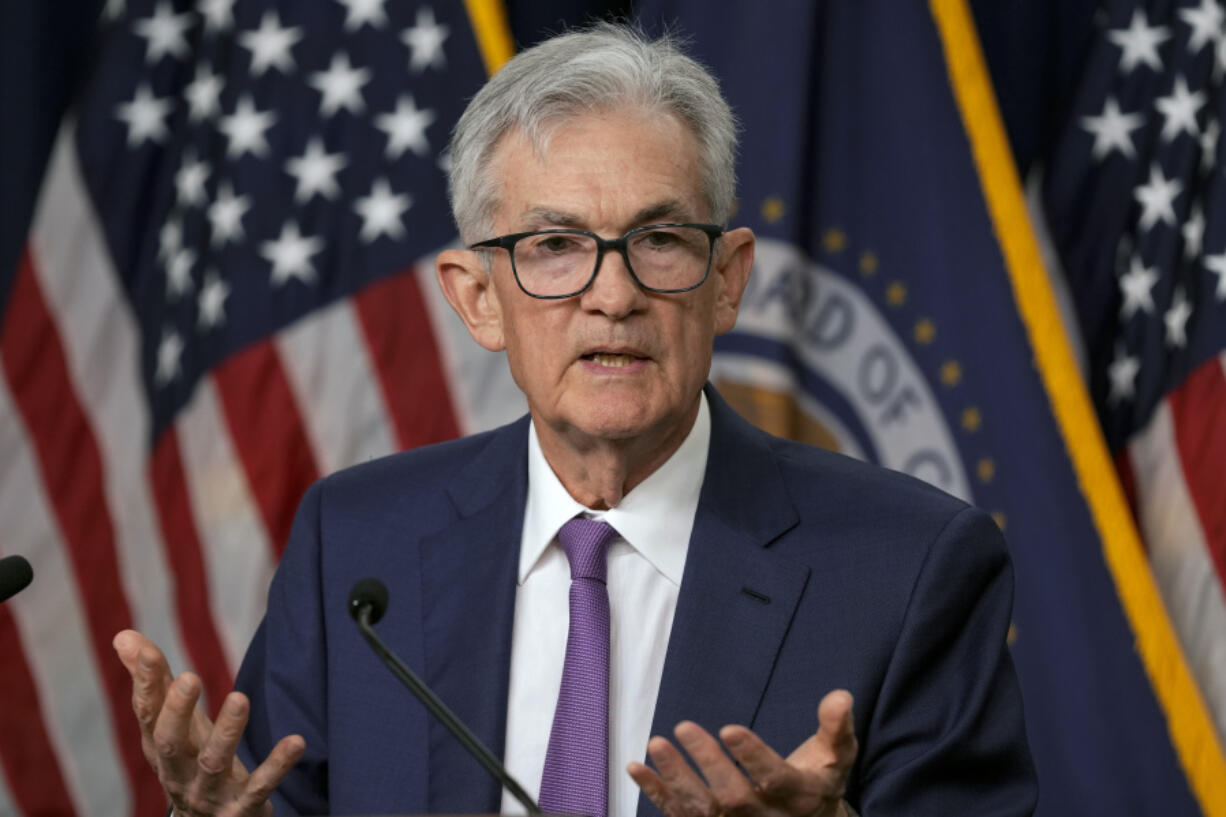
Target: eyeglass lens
{"x":661,"y":258}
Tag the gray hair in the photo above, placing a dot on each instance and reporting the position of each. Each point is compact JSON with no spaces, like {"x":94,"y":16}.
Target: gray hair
{"x":581,"y":72}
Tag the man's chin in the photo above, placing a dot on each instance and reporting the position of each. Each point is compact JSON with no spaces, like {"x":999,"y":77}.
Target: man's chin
{"x":628,"y":417}
{"x":614,"y":428}
{"x":615,"y":417}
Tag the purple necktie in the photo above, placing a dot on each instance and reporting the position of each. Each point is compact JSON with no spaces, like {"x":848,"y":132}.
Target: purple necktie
{"x":576,"y":777}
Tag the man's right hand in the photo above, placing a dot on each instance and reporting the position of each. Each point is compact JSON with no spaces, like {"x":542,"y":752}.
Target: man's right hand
{"x":193,"y":757}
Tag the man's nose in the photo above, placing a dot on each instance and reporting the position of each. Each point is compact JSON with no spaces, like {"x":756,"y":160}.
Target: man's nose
{"x":614,"y":290}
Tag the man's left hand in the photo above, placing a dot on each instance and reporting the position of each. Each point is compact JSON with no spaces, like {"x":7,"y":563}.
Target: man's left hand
{"x":809,"y":783}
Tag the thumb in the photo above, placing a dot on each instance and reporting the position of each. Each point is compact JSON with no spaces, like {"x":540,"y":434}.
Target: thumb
{"x":834,"y":745}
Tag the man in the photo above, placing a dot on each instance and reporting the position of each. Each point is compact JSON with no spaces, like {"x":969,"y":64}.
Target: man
{"x":745,"y":577}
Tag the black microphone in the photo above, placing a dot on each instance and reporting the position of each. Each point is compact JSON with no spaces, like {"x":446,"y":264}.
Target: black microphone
{"x":367,"y":603}
{"x":15,"y":574}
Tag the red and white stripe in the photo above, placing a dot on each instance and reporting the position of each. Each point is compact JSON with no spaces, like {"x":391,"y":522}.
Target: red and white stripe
{"x":55,"y":706}
{"x":325,"y":354}
{"x":236,"y":556}
{"x":484,"y":395}
{"x":1175,"y":472}
{"x":178,"y":537}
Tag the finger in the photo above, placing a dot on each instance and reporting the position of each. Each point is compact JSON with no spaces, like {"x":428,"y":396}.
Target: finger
{"x":652,"y":786}
{"x":127,"y":644}
{"x":150,"y":679}
{"x":689,"y":792}
{"x":836,"y":729}
{"x":216,"y":759}
{"x":683,"y":793}
{"x":171,"y":735}
{"x":776,"y":780}
{"x":130,"y":646}
{"x":150,"y":676}
{"x":731,"y":789}
{"x":268,"y":775}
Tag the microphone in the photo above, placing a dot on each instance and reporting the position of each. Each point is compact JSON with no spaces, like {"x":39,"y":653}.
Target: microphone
{"x":371,"y":595}
{"x":15,"y":574}
{"x":367,"y":604}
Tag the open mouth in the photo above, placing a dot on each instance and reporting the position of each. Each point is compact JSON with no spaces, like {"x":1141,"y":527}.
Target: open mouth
{"x":611,"y":360}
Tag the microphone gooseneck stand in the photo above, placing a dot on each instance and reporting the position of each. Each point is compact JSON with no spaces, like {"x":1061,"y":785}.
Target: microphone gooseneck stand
{"x":367,"y":602}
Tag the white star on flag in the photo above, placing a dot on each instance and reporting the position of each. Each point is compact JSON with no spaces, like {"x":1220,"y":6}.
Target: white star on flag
{"x":218,"y":14}
{"x":1122,"y":372}
{"x":179,"y":273}
{"x":212,"y":301}
{"x":145,"y":116}
{"x":406,"y":127}
{"x":169,"y":352}
{"x":381,"y":212}
{"x":315,"y":170}
{"x":170,"y":239}
{"x":190,"y":179}
{"x":203,"y":94}
{"x":245,"y":129}
{"x":1139,"y":42}
{"x":1176,"y":320}
{"x":290,"y":255}
{"x":1193,"y":232}
{"x":1208,"y":144}
{"x":363,"y":12}
{"x":271,"y":45}
{"x":341,"y":86}
{"x":1217,"y":265}
{"x":1136,"y":286}
{"x":226,"y":215}
{"x":1157,"y":198}
{"x":164,"y":33}
{"x":1206,"y":21}
{"x":425,"y":41}
{"x":1113,"y":130}
{"x":1179,"y":110}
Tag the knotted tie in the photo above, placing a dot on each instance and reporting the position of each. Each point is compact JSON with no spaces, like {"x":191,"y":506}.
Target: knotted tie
{"x":576,"y":777}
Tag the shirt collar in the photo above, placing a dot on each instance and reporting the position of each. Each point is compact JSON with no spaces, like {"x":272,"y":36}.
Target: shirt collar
{"x":656,"y":518}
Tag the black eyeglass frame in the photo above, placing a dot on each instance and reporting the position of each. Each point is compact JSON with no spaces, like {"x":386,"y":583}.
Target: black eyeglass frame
{"x":508,"y":242}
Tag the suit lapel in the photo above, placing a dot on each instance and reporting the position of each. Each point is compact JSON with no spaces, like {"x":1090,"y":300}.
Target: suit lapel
{"x":737,"y":598}
{"x":468,"y":594}
{"x":736,"y":601}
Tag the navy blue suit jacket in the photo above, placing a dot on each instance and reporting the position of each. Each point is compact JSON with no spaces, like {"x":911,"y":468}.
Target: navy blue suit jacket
{"x":806,"y":571}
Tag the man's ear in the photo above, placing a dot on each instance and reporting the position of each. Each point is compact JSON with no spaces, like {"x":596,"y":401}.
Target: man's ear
{"x":469,"y":288}
{"x":732,"y":266}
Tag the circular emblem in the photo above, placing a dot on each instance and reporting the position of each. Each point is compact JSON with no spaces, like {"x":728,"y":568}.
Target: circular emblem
{"x":813,"y":358}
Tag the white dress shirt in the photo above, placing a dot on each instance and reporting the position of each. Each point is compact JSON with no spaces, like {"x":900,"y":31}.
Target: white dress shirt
{"x":645,"y":565}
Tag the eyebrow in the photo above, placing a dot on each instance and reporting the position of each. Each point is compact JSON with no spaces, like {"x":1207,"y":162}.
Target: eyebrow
{"x":670,"y":209}
{"x":667,"y":210}
{"x":543,"y":215}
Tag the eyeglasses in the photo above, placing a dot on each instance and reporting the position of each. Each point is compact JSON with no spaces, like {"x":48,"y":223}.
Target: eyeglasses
{"x":562,"y":263}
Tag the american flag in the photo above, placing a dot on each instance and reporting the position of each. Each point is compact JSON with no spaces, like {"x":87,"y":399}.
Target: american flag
{"x":226,"y":293}
{"x":1135,"y":199}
